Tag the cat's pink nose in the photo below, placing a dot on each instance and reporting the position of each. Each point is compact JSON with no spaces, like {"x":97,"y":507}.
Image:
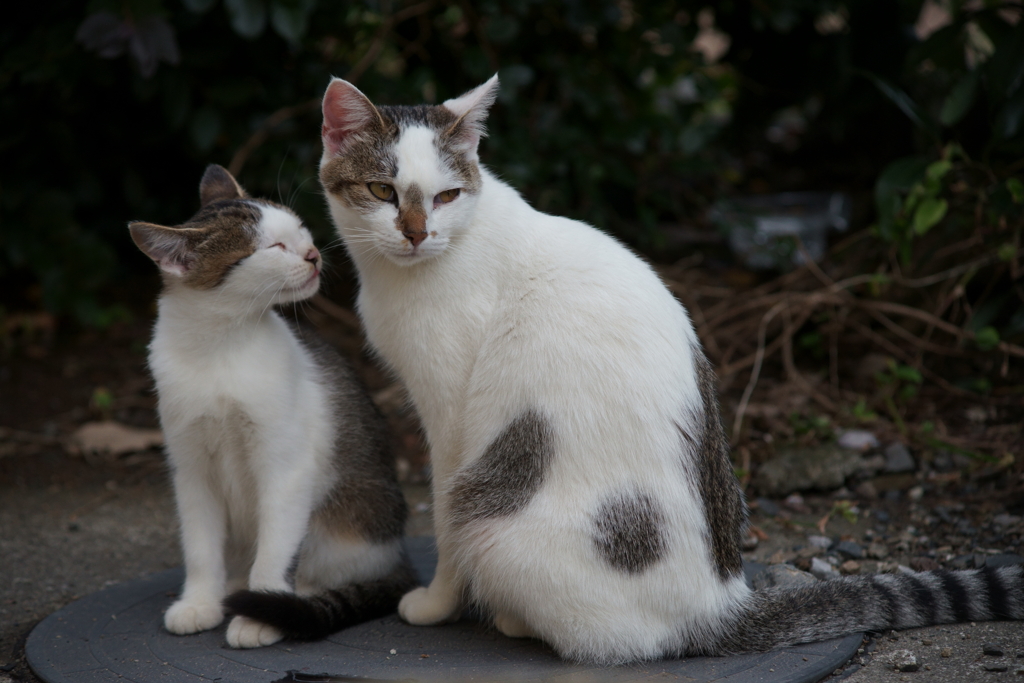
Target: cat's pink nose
{"x":313,"y":256}
{"x":416,"y":237}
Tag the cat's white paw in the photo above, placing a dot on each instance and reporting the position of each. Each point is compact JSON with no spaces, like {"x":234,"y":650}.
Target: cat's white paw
{"x":513,"y":627}
{"x":184,"y":617}
{"x":244,"y":632}
{"x":420,"y":607}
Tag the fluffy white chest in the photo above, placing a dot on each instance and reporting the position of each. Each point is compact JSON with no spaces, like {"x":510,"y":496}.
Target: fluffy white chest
{"x":429,"y":330}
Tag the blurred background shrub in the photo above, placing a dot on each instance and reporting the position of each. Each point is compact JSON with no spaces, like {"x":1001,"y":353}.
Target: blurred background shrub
{"x":632,"y":116}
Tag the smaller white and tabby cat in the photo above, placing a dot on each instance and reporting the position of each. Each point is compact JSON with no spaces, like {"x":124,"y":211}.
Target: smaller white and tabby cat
{"x":277,"y":453}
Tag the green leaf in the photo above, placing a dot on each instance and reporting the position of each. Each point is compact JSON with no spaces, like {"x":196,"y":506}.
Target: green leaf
{"x":1016,"y":188}
{"x":959,"y":100}
{"x":937,"y":169}
{"x":248,"y":17}
{"x":901,"y":99}
{"x":987,"y":338}
{"x":1006,"y":252}
{"x":929,"y":212}
{"x":897,"y":178}
{"x":198,"y":6}
{"x":1009,"y":119}
{"x":908,"y":374}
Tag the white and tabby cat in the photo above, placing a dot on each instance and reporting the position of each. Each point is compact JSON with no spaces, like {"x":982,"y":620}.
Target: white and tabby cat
{"x":582,"y":483}
{"x":276,"y":451}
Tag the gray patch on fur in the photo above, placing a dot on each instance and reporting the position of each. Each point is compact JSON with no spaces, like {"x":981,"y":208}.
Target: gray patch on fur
{"x":509,"y":473}
{"x":628,"y":532}
{"x":724,"y":508}
{"x":366,"y":500}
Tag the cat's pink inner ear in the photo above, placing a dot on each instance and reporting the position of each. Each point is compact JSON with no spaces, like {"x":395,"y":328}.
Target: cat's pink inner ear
{"x":471,"y":110}
{"x":218,"y":184}
{"x":346,"y":112}
{"x":168,"y":247}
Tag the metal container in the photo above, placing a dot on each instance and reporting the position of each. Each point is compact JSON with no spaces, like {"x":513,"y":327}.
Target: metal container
{"x":761,"y":229}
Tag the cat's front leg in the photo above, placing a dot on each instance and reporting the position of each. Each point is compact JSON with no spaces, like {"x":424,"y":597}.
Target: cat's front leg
{"x":438,"y":603}
{"x":441,"y":601}
{"x":284,"y":508}
{"x":203,"y":530}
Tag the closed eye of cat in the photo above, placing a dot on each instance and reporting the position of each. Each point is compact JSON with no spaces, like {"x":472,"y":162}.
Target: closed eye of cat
{"x":446,"y":196}
{"x":382,"y":191}
{"x":279,"y":245}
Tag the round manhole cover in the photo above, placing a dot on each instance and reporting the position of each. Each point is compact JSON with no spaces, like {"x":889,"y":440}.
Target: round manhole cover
{"x":117,"y":634}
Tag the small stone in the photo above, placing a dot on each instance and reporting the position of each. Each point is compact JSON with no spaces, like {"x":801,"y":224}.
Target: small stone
{"x":882,"y":516}
{"x":898,"y":459}
{"x":822,"y":569}
{"x":780,"y":556}
{"x":1004,"y":560}
{"x":923,"y":564}
{"x":925,"y":641}
{"x":809,"y":551}
{"x":1005,"y":519}
{"x":878,"y":551}
{"x":850,"y":549}
{"x":942,"y":512}
{"x":823,"y":542}
{"x":768,"y":507}
{"x":857,"y":440}
{"x":750,"y":542}
{"x":942,"y":461}
{"x":976,"y":414}
{"x":804,"y":468}
{"x":850,"y":567}
{"x":781,"y":575}
{"x":995,"y":667}
{"x":904,"y":569}
{"x":916,"y":493}
{"x":946,"y":652}
{"x":961,"y":562}
{"x":872,"y":465}
{"x":795,"y":502}
{"x":903,"y":660}
{"x":867,"y":490}
{"x":993,"y":649}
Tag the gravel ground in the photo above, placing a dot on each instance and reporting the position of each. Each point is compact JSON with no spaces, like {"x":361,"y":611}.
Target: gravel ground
{"x":105,"y":523}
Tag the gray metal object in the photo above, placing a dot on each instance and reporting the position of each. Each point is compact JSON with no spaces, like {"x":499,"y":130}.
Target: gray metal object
{"x":761,"y":228}
{"x":116,"y":634}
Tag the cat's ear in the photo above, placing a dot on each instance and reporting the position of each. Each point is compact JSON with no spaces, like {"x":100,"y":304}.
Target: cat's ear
{"x":471,"y":110}
{"x":217,"y":184}
{"x":170,"y":248}
{"x":346,"y":112}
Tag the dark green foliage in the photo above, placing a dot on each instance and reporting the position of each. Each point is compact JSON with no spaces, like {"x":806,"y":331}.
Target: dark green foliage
{"x":111,"y":109}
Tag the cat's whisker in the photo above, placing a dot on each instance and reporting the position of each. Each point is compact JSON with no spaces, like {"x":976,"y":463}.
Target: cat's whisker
{"x":296,"y":190}
{"x":270,"y":302}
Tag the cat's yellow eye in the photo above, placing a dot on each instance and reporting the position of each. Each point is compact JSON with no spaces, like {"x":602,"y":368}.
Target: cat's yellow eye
{"x":446,"y":196}
{"x":382,"y":191}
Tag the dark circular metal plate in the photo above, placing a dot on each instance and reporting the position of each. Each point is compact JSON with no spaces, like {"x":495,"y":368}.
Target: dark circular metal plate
{"x":117,"y":634}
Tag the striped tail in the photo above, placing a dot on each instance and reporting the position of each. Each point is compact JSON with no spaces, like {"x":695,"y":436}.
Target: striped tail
{"x":316,"y":616}
{"x":779,"y":616}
